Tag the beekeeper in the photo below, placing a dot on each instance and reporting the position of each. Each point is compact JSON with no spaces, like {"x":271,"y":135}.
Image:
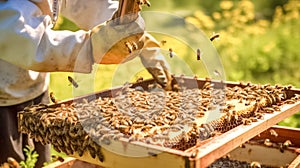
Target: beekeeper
{"x":29,"y":48}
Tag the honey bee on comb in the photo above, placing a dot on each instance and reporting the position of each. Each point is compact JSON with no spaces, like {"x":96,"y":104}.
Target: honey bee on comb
{"x":273,"y":133}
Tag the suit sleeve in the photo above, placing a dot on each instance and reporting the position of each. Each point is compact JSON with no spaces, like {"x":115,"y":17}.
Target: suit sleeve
{"x":28,"y":41}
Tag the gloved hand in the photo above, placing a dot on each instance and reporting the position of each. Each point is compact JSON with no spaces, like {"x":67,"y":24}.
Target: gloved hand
{"x":114,"y":43}
{"x":155,"y":62}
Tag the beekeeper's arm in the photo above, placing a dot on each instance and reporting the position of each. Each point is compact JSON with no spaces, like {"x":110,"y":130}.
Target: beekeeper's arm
{"x":27,"y":40}
{"x":151,"y":56}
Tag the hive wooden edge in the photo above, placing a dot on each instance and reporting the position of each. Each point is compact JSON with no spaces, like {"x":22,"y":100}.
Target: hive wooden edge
{"x":295,"y":163}
{"x":216,"y":147}
{"x":281,"y":130}
{"x":158,"y":159}
{"x":65,"y":164}
{"x":289,"y":155}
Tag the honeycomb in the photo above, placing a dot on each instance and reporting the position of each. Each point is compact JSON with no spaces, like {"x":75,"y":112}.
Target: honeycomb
{"x":166,"y":118}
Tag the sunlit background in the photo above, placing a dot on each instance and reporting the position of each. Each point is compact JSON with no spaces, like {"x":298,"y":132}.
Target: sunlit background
{"x":259,"y":42}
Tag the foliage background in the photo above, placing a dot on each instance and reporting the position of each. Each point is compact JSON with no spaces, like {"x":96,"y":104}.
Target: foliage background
{"x":258,"y":42}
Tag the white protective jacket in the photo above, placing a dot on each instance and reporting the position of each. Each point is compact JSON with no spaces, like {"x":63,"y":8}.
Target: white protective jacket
{"x":26,"y":30}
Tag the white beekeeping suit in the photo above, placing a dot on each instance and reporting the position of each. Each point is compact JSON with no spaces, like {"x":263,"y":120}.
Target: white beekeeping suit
{"x":25,"y":34}
{"x":29,"y":48}
{"x":28,"y":42}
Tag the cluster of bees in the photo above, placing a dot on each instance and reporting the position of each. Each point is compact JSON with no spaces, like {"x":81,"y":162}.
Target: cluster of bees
{"x":60,"y":127}
{"x":250,"y":103}
{"x":165,"y":118}
{"x":226,"y":162}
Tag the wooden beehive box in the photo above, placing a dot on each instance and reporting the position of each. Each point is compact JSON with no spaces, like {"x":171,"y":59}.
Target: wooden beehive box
{"x":278,"y":146}
{"x":125,"y":153}
{"x":253,"y":151}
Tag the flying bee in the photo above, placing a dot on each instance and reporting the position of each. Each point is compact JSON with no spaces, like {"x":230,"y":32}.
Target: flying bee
{"x":171,"y":52}
{"x":163,"y":42}
{"x":214,"y":36}
{"x":198,"y":54}
{"x":52,"y":98}
{"x":217,"y":73}
{"x":147,"y":3}
{"x":73,"y":82}
{"x":143,"y":2}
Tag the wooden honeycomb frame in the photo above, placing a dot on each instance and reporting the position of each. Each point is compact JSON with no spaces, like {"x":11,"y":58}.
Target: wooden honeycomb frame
{"x":200,"y":155}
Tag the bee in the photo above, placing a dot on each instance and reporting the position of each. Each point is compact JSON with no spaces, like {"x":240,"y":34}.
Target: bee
{"x":100,"y":156}
{"x":171,"y":52}
{"x":57,"y":158}
{"x":281,"y":147}
{"x":92,"y":152}
{"x":163,"y":42}
{"x":214,"y":36}
{"x":147,"y":3}
{"x":247,"y":121}
{"x":268,"y":143}
{"x":273,"y":133}
{"x":255,"y":165}
{"x":243,"y":146}
{"x":52,"y":98}
{"x":143,"y":2}
{"x":290,"y":101}
{"x":259,"y":116}
{"x":134,"y":46}
{"x":73,"y":82}
{"x":140,"y":79}
{"x":129,"y":47}
{"x":198,"y":54}
{"x":80,"y":152}
{"x":287,"y":143}
{"x":55,"y":9}
{"x":13,"y":162}
{"x":185,"y":136}
{"x":253,"y":119}
{"x":269,"y":110}
{"x":194,"y":154}
{"x":217,"y":73}
{"x":152,"y":154}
